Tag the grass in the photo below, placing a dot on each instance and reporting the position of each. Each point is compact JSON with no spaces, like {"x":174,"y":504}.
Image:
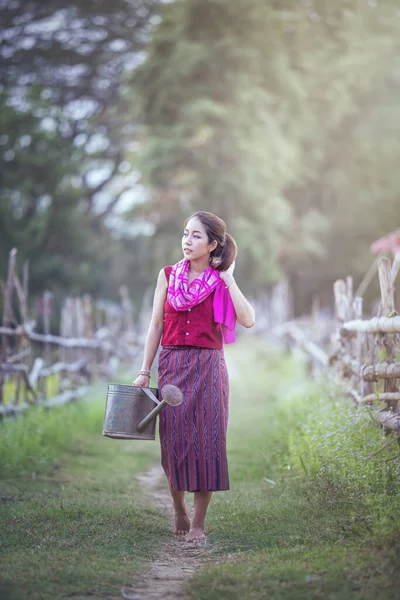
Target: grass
{"x":304,"y":573}
{"x":10,"y":388}
{"x":73,"y":521}
{"x":313,"y":510}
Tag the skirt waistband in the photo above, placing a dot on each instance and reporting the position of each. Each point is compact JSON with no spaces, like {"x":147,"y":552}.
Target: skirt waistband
{"x":182,"y":347}
{"x":188,"y":348}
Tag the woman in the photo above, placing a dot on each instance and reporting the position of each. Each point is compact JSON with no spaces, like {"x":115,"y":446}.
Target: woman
{"x":196,"y":305}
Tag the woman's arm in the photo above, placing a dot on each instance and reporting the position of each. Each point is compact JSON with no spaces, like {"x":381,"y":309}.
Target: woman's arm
{"x":155,"y":330}
{"x":244,"y":311}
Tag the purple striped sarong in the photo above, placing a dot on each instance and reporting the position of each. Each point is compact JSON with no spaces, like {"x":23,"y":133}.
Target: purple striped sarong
{"x":193,"y":434}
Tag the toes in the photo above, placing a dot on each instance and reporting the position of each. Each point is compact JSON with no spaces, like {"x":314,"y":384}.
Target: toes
{"x":197,"y":539}
{"x":181,"y":532}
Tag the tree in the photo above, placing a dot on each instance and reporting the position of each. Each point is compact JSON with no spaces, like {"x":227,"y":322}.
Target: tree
{"x":65,"y":132}
{"x":245,"y":108}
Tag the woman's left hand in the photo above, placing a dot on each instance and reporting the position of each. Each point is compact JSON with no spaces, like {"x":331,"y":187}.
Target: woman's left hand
{"x":227,"y":275}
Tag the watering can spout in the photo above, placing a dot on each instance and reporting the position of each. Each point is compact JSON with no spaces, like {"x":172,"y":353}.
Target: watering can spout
{"x":170,"y":395}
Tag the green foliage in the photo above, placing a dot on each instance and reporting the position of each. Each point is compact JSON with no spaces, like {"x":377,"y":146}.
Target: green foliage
{"x":345,"y":445}
{"x":282,"y":117}
{"x":207,"y":116}
{"x":10,"y":387}
{"x":64,"y":135}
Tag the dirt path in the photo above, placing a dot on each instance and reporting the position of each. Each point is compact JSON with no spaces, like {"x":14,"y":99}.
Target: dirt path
{"x":177,"y":561}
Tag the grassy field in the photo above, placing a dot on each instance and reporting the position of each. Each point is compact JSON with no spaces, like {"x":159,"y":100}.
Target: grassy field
{"x":73,"y":521}
{"x":10,"y":389}
{"x":314,"y":511}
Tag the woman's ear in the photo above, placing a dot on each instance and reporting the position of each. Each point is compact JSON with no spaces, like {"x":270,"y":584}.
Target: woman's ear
{"x":213,"y":245}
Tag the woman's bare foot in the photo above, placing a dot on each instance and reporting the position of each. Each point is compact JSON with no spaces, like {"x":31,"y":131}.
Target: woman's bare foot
{"x":196,"y":534}
{"x":182,"y":524}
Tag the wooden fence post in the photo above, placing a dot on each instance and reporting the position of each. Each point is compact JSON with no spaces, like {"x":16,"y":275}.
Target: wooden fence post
{"x":349,"y":295}
{"x":386,"y":285}
{"x":96,"y":349}
{"x":341,"y":301}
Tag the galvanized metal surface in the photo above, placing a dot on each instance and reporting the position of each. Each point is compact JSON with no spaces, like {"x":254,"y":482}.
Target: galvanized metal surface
{"x":126,"y":407}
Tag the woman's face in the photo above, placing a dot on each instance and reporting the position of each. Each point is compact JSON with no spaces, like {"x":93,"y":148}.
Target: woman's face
{"x":195,"y":241}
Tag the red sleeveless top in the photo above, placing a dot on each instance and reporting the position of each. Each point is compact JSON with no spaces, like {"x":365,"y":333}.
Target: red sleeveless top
{"x":192,"y":327}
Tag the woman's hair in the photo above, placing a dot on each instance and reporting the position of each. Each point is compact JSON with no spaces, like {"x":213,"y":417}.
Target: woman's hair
{"x":225,"y":252}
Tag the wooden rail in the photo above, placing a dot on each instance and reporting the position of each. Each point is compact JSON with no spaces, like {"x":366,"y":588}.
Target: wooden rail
{"x":367,"y":351}
{"x":364,"y":353}
{"x":33,"y":359}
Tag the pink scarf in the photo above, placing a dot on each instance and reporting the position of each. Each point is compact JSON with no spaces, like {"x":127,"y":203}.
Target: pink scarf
{"x":182,"y":296}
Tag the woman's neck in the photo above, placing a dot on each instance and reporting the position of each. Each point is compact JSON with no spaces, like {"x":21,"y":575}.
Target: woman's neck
{"x":198,"y":268}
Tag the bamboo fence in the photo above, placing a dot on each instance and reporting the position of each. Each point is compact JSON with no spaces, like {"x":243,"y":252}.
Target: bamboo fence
{"x":363,"y":354}
{"x":40,"y":368}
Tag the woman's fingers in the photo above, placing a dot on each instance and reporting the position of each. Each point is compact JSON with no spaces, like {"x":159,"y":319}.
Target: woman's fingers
{"x":141,"y":382}
{"x":229,"y":271}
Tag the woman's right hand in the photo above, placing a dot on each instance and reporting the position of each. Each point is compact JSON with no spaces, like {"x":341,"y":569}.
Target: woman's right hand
{"x":141,"y":381}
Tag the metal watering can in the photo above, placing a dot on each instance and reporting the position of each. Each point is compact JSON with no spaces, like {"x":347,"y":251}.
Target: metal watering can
{"x":130,"y":412}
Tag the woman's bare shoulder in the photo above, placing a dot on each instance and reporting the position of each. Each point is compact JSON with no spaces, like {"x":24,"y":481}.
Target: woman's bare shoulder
{"x":162,"y":279}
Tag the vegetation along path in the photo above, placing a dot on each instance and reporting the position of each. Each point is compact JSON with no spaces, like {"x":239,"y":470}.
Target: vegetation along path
{"x":313,"y":510}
